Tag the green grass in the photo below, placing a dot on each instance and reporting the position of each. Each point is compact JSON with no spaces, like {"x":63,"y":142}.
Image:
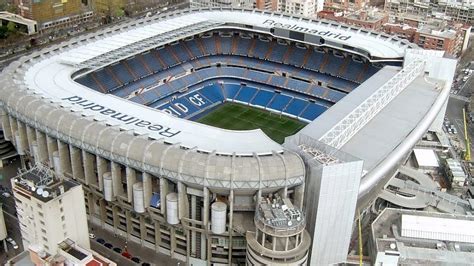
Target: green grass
{"x":241,"y":117}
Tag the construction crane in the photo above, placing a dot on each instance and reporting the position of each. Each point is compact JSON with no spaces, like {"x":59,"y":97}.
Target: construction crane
{"x":467,"y":155}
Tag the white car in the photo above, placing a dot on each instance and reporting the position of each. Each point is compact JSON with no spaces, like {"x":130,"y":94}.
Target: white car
{"x":12,"y":242}
{"x":91,"y":236}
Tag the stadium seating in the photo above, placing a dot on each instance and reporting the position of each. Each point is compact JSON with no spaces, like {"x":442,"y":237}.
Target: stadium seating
{"x":262,"y":98}
{"x":161,"y":78}
{"x":279,"y":102}
{"x":138,"y":67}
{"x":296,"y":106}
{"x":312,"y":111}
{"x":245,"y":94}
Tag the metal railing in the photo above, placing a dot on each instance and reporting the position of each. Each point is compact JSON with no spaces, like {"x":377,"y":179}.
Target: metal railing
{"x":347,"y":127}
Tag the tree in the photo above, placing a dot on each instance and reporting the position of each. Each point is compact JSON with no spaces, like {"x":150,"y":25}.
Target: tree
{"x":3,"y":32}
{"x":11,"y":27}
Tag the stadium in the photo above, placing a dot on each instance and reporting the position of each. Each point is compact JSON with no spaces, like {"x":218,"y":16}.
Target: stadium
{"x":227,"y":136}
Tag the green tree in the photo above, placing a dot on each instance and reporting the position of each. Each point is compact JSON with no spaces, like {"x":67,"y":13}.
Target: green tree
{"x":11,"y":27}
{"x":3,"y":32}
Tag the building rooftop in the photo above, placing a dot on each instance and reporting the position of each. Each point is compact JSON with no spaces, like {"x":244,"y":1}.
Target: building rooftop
{"x":426,"y":158}
{"x":41,"y":183}
{"x":419,"y":237}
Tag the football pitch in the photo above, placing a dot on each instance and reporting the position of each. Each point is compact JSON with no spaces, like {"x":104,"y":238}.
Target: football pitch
{"x":241,"y":117}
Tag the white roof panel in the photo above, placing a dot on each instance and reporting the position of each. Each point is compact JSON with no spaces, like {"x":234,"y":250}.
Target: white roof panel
{"x":436,"y":228}
{"x":426,"y":158}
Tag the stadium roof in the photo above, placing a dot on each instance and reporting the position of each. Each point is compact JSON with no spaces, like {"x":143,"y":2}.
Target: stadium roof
{"x":159,"y":125}
{"x":336,"y":35}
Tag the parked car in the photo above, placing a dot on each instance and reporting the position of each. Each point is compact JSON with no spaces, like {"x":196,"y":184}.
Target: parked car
{"x":126,"y":255}
{"x":12,"y":242}
{"x":118,"y":250}
{"x":136,"y":259}
{"x":91,"y":236}
{"x":108,"y":245}
{"x":100,"y":241}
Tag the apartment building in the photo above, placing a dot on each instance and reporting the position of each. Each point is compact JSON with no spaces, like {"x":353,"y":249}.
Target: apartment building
{"x":49,"y":209}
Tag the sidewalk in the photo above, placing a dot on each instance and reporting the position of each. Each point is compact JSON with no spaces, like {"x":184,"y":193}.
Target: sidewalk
{"x":145,"y":254}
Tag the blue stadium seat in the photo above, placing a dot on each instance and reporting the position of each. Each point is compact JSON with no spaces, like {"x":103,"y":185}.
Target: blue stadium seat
{"x":297,"y":56}
{"x":278,"y":52}
{"x":260,"y":49}
{"x":180,"y":52}
{"x":209,"y":44}
{"x":315,"y":60}
{"x":137,"y":67}
{"x":296,"y":106}
{"x":312,"y":111}
{"x":262,"y":98}
{"x":245,"y":94}
{"x":333,"y":65}
{"x":231,"y":90}
{"x":279,"y":102}
{"x":226,"y":45}
{"x":89,"y":82}
{"x":243,"y":46}
{"x":167,"y":58}
{"x":213,"y":93}
{"x":194,"y":48}
{"x":121,"y":73}
{"x":106,"y":79}
{"x":152,"y":62}
{"x":353,"y":70}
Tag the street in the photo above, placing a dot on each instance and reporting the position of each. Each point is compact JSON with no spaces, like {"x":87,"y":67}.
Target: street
{"x":11,"y":221}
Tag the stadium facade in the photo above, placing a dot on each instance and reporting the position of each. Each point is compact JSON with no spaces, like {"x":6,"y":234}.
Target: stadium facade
{"x":88,"y":109}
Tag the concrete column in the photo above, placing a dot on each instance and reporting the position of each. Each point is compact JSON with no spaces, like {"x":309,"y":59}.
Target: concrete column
{"x":128,"y":219}
{"x":91,"y":203}
{"x":64,"y":157}
{"x":103,"y":212}
{"x":116,"y":219}
{"x":172,"y":241}
{"x":231,"y":216}
{"x":52,"y":145}
{"x":205,"y":222}
{"x":193,"y":216}
{"x":157,"y":236}
{"x":101,"y":169}
{"x":183,"y":209}
{"x":89,"y":173}
{"x":116,"y":179}
{"x":147,"y":188}
{"x":13,"y":126}
{"x":188,"y":246}
{"x":164,"y":187}
{"x":22,"y":135}
{"x":142,"y":230}
{"x":7,"y":131}
{"x":42,"y":147}
{"x":299,"y":196}
{"x":31,"y":136}
{"x":131,"y":176}
{"x":76,"y":162}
